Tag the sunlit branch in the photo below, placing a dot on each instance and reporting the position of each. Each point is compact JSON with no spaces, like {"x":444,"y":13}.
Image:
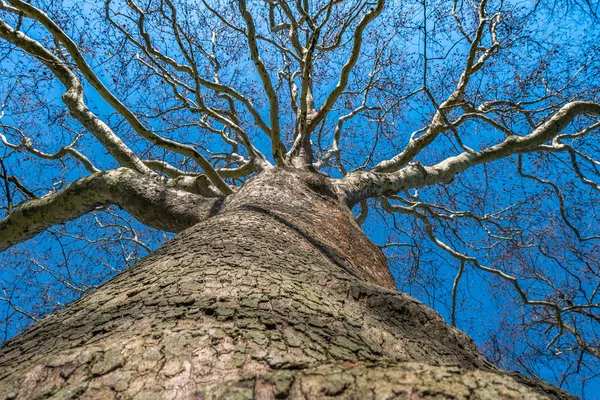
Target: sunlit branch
{"x":442,"y":213}
{"x":230,"y":25}
{"x":454,"y":292}
{"x":12,"y":305}
{"x":293,"y":30}
{"x":258,"y":158}
{"x":126,"y":227}
{"x":73,"y":98}
{"x":478,"y":115}
{"x":439,"y":122}
{"x":110,"y":98}
{"x":289,"y":77}
{"x":266,"y":82}
{"x":465,"y":258}
{"x":63,"y":151}
{"x":150,"y":202}
{"x":233,"y":121}
{"x":301,"y":151}
{"x":335,"y":148}
{"x":154,"y":55}
{"x":64,"y":282}
{"x":594,"y":350}
{"x":364,"y":212}
{"x":348,"y":66}
{"x":167,"y":169}
{"x":346,"y":23}
{"x":358,"y":186}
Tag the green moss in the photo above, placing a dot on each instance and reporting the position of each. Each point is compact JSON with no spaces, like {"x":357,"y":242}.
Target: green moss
{"x":258,"y":337}
{"x":238,"y":393}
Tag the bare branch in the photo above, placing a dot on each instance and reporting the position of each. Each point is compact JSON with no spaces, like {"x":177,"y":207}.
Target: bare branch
{"x":362,"y":185}
{"x":73,"y":98}
{"x":439,"y":122}
{"x":27,"y":144}
{"x":276,"y":144}
{"x":129,"y":116}
{"x":144,"y":198}
{"x":348,"y":66}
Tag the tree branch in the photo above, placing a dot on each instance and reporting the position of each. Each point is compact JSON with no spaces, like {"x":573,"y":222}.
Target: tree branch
{"x":439,"y":122}
{"x":277,"y":147}
{"x":111,"y":99}
{"x":347,"y":68}
{"x":73,"y":98}
{"x":144,"y":198}
{"x":359,"y":186}
{"x":63,"y":151}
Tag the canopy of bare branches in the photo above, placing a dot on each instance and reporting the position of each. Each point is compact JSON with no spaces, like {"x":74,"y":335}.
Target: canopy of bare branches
{"x":468,"y":129}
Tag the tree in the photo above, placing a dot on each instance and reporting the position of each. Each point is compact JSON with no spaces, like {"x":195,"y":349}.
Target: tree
{"x":251,"y":130}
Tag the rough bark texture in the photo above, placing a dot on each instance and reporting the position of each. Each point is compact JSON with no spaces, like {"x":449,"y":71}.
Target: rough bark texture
{"x":279,"y":295}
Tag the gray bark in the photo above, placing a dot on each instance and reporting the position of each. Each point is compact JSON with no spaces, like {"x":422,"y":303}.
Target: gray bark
{"x":145,"y":198}
{"x":280,"y":294}
{"x":359,"y":186}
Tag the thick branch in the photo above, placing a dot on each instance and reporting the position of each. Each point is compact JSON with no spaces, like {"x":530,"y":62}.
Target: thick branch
{"x":266,"y":81}
{"x":359,"y":186}
{"x":111,"y":99}
{"x":349,"y":66}
{"x":144,"y":198}
{"x":440,"y":121}
{"x":73,"y":98}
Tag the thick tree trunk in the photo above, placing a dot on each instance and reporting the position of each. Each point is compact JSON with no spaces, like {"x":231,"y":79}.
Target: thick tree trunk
{"x":279,"y":294}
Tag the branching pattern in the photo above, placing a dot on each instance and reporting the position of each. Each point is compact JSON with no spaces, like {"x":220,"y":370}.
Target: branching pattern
{"x":468,"y":128}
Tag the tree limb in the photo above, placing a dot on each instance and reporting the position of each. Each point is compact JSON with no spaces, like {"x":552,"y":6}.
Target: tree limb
{"x":111,"y":99}
{"x":348,"y":66}
{"x":266,"y":81}
{"x":359,"y":186}
{"x":144,"y":198}
{"x":439,"y":122}
{"x":73,"y":98}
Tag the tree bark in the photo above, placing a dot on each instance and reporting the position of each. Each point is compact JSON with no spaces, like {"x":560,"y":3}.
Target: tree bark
{"x":278,"y":295}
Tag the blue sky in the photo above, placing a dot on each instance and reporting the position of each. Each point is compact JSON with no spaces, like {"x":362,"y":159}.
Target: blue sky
{"x":550,"y":51}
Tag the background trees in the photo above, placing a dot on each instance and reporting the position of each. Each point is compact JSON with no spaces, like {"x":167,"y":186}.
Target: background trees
{"x":503,"y":241}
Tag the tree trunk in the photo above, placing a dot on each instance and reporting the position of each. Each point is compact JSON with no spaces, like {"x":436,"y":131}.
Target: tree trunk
{"x":280,"y":294}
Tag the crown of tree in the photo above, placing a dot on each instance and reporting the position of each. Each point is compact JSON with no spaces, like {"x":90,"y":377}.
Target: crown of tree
{"x":463,"y":135}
